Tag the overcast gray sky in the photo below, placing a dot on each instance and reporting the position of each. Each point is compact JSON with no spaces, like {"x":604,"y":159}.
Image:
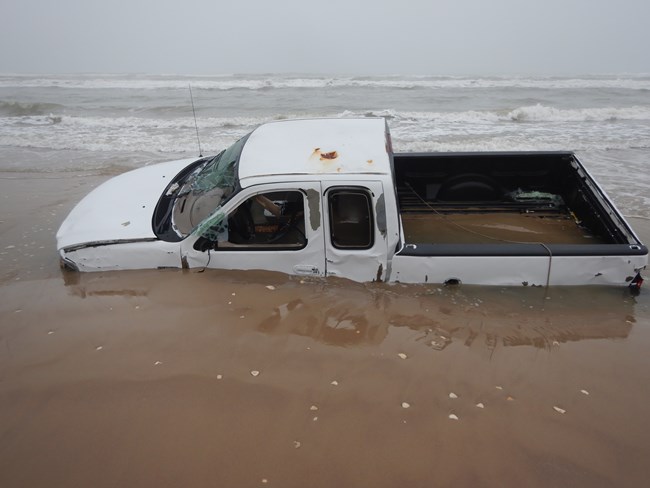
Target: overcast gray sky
{"x":330,"y":36}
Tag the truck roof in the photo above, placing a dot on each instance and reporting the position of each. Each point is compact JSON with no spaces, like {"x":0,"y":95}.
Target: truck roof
{"x":315,"y":147}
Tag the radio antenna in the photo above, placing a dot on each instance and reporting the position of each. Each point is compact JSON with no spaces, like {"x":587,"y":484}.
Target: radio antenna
{"x":195,"y":124}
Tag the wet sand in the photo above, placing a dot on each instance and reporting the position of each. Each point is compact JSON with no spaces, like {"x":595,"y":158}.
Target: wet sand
{"x":147,"y":378}
{"x":495,"y":227}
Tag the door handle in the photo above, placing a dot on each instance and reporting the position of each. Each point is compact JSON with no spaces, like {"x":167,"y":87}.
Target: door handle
{"x":306,"y":269}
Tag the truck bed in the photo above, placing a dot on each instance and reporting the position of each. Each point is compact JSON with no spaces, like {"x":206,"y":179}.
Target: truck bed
{"x":503,"y":198}
{"x":531,"y":219}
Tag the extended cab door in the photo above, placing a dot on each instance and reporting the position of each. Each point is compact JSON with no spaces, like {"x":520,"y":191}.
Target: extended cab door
{"x":275,"y":227}
{"x":355,"y":230}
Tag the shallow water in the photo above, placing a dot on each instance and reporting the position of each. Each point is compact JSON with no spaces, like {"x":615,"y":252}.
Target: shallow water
{"x":162,"y":378}
{"x":168,"y":378}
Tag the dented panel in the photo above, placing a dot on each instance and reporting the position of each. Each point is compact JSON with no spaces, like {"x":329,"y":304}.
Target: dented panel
{"x":317,"y":146}
{"x":144,"y":254}
{"x":518,"y":270}
{"x":364,"y":264}
{"x":251,"y":254}
{"x":120,"y":208}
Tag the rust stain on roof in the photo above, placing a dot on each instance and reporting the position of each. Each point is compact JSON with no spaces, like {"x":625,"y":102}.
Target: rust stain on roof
{"x":329,"y":155}
{"x":324,"y":155}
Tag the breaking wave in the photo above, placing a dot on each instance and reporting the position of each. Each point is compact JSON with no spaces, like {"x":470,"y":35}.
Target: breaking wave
{"x":22,"y":109}
{"x":533,"y":113}
{"x":546,"y":128}
{"x":267,"y":82}
{"x":109,"y":123}
{"x":543,"y":113}
{"x":152,"y":113}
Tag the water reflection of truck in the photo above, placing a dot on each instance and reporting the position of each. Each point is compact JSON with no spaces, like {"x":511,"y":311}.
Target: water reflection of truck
{"x":328,"y":197}
{"x":344,"y":314}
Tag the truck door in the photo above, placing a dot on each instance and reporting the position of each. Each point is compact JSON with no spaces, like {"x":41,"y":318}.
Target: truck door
{"x":275,"y":227}
{"x":355,"y":230}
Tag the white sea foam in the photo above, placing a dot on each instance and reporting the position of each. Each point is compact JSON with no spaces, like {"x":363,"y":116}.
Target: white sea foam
{"x":231,"y":82}
{"x":534,"y":113}
{"x":549,"y":114}
{"x":529,"y":128}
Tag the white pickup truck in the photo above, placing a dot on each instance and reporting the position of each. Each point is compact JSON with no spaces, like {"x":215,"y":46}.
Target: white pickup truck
{"x":328,"y":197}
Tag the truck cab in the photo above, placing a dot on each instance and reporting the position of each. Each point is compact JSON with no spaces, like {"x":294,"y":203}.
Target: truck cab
{"x":309,"y":199}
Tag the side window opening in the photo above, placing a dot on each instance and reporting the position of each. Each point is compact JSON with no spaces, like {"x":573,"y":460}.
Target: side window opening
{"x":350,"y":214}
{"x":272,"y":220}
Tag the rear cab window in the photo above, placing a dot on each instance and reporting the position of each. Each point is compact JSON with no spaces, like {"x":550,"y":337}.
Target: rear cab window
{"x":350,"y":214}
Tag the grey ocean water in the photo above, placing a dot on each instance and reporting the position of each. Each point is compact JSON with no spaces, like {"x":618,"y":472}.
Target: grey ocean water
{"x":110,"y":123}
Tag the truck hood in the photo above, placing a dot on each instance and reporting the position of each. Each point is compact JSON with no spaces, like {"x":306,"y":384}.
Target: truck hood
{"x":119,"y":209}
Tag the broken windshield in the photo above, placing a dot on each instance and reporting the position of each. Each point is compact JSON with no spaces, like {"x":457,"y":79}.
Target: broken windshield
{"x":206,"y":189}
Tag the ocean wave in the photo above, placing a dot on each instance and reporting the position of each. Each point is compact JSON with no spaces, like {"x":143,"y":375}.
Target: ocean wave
{"x":542,"y":113}
{"x":22,"y":109}
{"x":257,"y":82}
{"x":79,"y":123}
{"x":533,"y":113}
{"x":527,"y":127}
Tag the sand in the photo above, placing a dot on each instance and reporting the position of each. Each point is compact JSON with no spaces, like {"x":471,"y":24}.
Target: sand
{"x":492,"y":228}
{"x":237,"y":379}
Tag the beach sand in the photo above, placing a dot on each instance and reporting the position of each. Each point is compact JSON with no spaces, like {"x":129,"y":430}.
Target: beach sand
{"x":245,"y":379}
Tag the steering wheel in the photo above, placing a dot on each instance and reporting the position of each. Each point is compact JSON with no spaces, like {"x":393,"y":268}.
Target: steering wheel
{"x":291,"y":224}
